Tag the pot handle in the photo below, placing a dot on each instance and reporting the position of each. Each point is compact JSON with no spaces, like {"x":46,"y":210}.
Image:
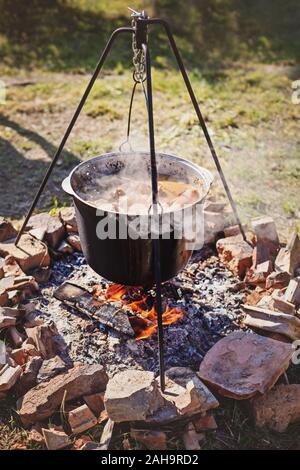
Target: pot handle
{"x":66,"y":185}
{"x":208,"y":176}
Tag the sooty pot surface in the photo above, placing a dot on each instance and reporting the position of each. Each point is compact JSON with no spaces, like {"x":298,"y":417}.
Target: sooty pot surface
{"x":120,"y":257}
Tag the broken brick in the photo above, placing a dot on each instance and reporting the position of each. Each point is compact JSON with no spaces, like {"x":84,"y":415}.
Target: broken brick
{"x":68,"y":218}
{"x":41,"y":401}
{"x":16,"y":337}
{"x":74,"y":241}
{"x":273,"y":321}
{"x":7,"y":230}
{"x":95,"y":403}
{"x":292,"y":293}
{"x":266,"y":233}
{"x":278,"y":408}
{"x":152,"y":440}
{"x":42,"y":337}
{"x":241,"y":365}
{"x":81,"y":419}
{"x":205,"y":423}
{"x":30,"y":253}
{"x":235,"y":254}
{"x":8,"y":377}
{"x":277,"y":280}
{"x":288,"y":258}
{"x":55,"y":440}
{"x":259,"y":274}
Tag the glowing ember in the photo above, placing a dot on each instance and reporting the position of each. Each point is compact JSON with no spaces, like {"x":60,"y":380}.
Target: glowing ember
{"x":145,"y":322}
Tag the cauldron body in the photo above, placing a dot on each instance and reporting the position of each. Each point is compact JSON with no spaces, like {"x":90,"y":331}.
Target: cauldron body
{"x":125,"y":260}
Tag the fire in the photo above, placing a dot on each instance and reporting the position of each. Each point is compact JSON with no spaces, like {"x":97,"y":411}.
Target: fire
{"x":144,"y":322}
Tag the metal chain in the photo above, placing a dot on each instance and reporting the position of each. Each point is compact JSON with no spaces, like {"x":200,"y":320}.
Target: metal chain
{"x":139,"y":74}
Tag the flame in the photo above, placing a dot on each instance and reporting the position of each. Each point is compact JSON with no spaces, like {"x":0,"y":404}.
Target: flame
{"x":145,"y":322}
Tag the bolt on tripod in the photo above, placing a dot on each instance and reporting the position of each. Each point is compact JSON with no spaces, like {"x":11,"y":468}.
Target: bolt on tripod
{"x":142,"y":72}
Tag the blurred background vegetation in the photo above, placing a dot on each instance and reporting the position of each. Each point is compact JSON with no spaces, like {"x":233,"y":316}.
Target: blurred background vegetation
{"x":68,"y":34}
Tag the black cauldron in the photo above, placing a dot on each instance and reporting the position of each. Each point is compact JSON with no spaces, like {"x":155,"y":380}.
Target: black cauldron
{"x":129,"y":260}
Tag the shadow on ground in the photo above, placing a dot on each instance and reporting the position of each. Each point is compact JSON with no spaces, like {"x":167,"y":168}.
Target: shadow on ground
{"x":20,"y":177}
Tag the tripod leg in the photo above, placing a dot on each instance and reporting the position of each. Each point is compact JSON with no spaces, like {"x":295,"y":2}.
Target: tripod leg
{"x":200,"y":118}
{"x":71,"y":125}
{"x":155,"y":241}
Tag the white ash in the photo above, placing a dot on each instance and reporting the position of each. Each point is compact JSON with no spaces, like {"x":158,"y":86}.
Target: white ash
{"x":212,"y":311}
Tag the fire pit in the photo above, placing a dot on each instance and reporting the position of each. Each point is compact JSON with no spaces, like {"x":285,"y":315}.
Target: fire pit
{"x":142,"y":266}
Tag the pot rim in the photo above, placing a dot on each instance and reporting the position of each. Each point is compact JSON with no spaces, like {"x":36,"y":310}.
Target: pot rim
{"x":67,"y":185}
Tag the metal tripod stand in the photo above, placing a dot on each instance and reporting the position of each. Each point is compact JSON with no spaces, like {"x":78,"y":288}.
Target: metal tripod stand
{"x":139,"y":30}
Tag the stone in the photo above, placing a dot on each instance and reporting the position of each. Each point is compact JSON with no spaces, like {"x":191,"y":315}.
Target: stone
{"x":74,"y":241}
{"x":8,"y":377}
{"x":15,"y":336}
{"x":13,"y":312}
{"x":11,"y":267}
{"x":266,"y":233}
{"x":186,"y":391}
{"x":42,"y":275}
{"x":41,"y":401}
{"x":282,"y":305}
{"x":15,"y":297}
{"x":27,"y":283}
{"x":42,"y":337}
{"x":2,"y":262}
{"x":29,"y":254}
{"x":205,"y":423}
{"x":233,"y":230}
{"x":91,"y":445}
{"x":6,"y":320}
{"x":277,"y":408}
{"x":235,"y":254}
{"x":68,"y":218}
{"x":65,"y":248}
{"x":242,"y":365}
{"x":292,"y":293}
{"x":38,"y":233}
{"x":277,"y":280}
{"x":32,"y":319}
{"x":261,"y":254}
{"x":95,"y":402}
{"x":50,"y":368}
{"x":191,"y":438}
{"x":288,"y":258}
{"x":79,"y":443}
{"x":55,"y":232}
{"x":3,"y":354}
{"x":19,"y":356}
{"x":3,"y":297}
{"x":214,"y":223}
{"x":106,"y":435}
{"x":39,"y":222}
{"x":28,"y":378}
{"x":131,"y":395}
{"x":258,"y":275}
{"x":30,"y":349}
{"x":152,"y":440}
{"x":52,"y":227}
{"x":55,"y":440}
{"x":275,"y":322}
{"x":81,"y":419}
{"x":35,"y":434}
{"x":7,"y":230}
